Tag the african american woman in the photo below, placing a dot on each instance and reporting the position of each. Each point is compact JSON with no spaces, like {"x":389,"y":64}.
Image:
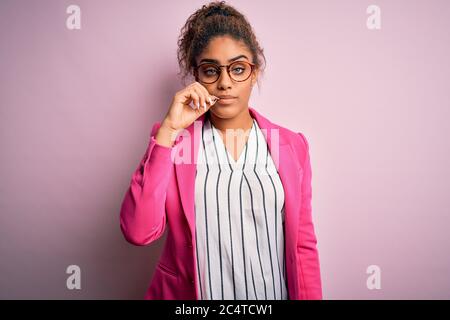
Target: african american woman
{"x":232,"y":188}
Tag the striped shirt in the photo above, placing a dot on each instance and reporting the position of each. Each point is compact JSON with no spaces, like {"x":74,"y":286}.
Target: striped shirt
{"x":239,"y":210}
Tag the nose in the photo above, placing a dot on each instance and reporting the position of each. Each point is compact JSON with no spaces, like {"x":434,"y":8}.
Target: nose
{"x":224,"y":81}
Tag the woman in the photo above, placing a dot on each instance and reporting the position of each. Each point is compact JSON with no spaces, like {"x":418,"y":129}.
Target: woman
{"x":233,"y":187}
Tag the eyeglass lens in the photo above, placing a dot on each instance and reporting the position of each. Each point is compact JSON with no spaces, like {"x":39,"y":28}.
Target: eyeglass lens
{"x":209,"y":72}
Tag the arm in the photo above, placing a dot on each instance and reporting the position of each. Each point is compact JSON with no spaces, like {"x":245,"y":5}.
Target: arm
{"x":308,"y":263}
{"x":142,"y":214}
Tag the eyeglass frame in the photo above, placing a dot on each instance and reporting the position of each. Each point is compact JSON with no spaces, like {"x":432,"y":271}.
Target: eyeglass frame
{"x":252,"y":67}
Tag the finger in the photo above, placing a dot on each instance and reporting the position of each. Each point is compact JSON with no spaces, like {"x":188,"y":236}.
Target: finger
{"x":195,"y":98}
{"x":203,"y":89}
{"x":202,"y":97}
{"x":209,"y":98}
{"x":213,"y":100}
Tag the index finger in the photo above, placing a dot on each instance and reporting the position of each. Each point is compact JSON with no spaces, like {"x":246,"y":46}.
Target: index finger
{"x":203,"y":89}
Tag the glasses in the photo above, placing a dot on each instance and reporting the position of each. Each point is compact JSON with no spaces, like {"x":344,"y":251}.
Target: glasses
{"x":210,"y":72}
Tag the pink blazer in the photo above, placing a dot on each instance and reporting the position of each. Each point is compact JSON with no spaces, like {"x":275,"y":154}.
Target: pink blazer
{"x":161,"y":193}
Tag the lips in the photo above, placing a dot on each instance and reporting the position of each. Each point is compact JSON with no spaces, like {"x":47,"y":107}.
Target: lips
{"x":226,"y":100}
{"x":226,"y":97}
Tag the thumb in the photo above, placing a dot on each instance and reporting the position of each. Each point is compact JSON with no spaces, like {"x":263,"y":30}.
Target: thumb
{"x":211,"y":101}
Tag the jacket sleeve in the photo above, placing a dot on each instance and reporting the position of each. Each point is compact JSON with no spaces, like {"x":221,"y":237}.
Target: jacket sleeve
{"x":142,"y":213}
{"x":310,"y":283}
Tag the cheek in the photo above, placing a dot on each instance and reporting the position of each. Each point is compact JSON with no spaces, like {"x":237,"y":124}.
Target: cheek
{"x":245,"y":91}
{"x":209,"y":88}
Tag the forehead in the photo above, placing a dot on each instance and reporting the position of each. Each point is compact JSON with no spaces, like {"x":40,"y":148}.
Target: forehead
{"x":224,"y":48}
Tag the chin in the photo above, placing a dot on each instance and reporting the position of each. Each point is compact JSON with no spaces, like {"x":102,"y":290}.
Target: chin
{"x":224,"y":112}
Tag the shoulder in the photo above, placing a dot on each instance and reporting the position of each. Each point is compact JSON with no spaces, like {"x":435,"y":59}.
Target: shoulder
{"x":296,"y":139}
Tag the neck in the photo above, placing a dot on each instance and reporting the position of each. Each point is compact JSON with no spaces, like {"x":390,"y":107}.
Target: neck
{"x":243,"y":121}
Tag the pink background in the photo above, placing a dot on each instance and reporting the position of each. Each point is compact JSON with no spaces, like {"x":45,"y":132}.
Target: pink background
{"x":77,"y":106}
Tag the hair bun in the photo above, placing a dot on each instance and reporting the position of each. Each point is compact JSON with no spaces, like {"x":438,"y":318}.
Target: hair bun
{"x":218,"y":10}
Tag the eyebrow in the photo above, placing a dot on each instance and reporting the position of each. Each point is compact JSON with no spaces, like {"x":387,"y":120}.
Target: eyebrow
{"x":231,"y":60}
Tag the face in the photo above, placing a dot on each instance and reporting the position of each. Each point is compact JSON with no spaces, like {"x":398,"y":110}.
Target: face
{"x":223,"y":49}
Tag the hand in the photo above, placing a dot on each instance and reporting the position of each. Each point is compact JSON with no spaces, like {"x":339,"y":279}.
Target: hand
{"x":180,"y":114}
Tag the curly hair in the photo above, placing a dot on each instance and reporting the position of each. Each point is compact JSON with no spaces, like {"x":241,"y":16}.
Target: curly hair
{"x":214,"y":19}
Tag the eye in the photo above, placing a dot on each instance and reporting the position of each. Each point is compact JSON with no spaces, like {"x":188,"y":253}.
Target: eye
{"x":210,"y":71}
{"x":238,"y":70}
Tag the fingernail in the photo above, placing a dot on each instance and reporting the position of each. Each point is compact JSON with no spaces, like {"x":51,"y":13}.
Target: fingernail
{"x":198,"y":105}
{"x":214,"y":100}
{"x":210,"y":101}
{"x":204,"y":105}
